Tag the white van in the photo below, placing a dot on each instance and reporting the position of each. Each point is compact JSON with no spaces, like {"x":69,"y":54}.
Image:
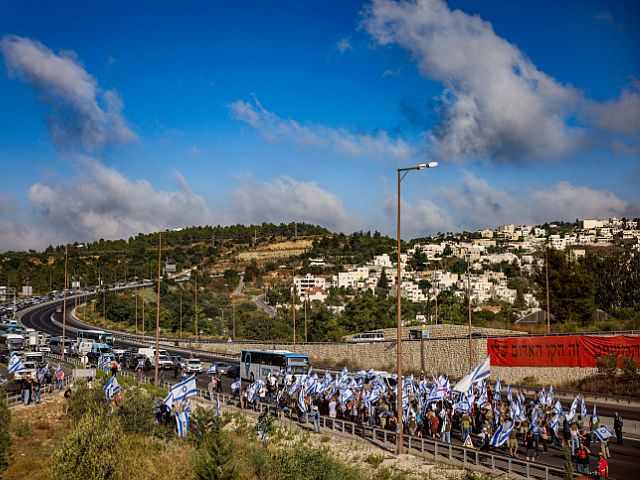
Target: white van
{"x":367,"y":337}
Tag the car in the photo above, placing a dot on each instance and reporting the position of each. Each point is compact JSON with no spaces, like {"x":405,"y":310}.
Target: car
{"x":164,"y":362}
{"x":233,"y":371}
{"x":45,"y":349}
{"x":194,"y":365}
{"x":221,"y":367}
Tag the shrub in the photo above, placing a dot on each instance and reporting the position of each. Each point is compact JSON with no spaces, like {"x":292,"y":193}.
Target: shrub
{"x":374,"y":460}
{"x":137,"y":412}
{"x":608,"y":366}
{"x":86,"y":400}
{"x":630,"y":369}
{"x":90,"y":452}
{"x":5,"y":436}
{"x":22,"y":428}
{"x":212,"y":459}
{"x":303,"y":463}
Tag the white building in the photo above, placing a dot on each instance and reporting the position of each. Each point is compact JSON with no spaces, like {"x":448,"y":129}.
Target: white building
{"x":308,"y":281}
{"x":588,"y":224}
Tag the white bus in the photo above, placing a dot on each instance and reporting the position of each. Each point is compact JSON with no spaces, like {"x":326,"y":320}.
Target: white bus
{"x":256,"y":364}
{"x":98,"y":336}
{"x":367,"y":337}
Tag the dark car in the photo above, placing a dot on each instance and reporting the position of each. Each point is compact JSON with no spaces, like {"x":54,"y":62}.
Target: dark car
{"x":233,"y":371}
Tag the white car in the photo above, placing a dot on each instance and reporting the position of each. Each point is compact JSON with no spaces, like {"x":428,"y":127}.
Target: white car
{"x":194,"y":365}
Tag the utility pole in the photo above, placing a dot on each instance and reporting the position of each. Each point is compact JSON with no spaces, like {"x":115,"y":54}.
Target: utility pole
{"x":305,"y":319}
{"x":181,"y":314}
{"x":136,"y":310}
{"x":546,"y":268}
{"x":158,"y":304}
{"x":233,"y":314}
{"x":293,"y":304}
{"x":64,"y":302}
{"x":143,"y":320}
{"x":195,"y":302}
{"x":468,"y":256}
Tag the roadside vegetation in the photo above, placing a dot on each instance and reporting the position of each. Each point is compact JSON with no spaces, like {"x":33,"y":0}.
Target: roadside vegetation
{"x":84,"y":437}
{"x":618,"y":376}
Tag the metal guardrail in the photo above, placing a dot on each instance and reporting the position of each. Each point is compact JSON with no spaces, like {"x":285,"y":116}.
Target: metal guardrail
{"x":427,"y":448}
{"x":14,"y":399}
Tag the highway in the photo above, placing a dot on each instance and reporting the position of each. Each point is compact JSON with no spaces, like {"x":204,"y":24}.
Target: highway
{"x":623,"y":465}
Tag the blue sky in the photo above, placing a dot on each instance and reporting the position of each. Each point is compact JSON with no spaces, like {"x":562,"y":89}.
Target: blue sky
{"x":121,"y":119}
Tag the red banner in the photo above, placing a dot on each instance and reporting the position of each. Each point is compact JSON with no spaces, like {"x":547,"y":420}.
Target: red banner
{"x":560,"y":351}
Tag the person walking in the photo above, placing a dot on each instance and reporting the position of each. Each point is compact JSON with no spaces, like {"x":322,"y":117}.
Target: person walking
{"x":617,"y":427}
{"x":316,"y":419}
{"x":446,"y":428}
{"x":582,"y":459}
{"x":603,"y":467}
{"x":26,"y":390}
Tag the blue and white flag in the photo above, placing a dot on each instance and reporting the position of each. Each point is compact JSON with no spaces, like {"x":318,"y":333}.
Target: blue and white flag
{"x":603,"y":433}
{"x":463,"y":405}
{"x":111,"y":388}
{"x":572,"y":410}
{"x":345,"y":396}
{"x":583,"y":408}
{"x":554,"y":422}
{"x":509,"y":396}
{"x":476,"y":375}
{"x":301,"y":401}
{"x":558,"y":408}
{"x":181,"y":391}
{"x":16,"y":365}
{"x":217,"y":412}
{"x":212,"y":369}
{"x":501,"y":434}
{"x":182,"y":423}
{"x":498,"y":389}
{"x":235,"y":386}
{"x":593,"y":415}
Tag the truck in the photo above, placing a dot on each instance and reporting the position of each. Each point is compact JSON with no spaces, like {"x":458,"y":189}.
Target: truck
{"x":164,"y":361}
{"x":32,"y":342}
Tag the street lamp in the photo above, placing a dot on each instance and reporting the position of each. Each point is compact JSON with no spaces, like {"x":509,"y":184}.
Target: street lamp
{"x":402,"y":172}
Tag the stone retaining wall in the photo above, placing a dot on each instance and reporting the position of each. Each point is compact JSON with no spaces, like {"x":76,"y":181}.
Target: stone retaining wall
{"x":450,"y":356}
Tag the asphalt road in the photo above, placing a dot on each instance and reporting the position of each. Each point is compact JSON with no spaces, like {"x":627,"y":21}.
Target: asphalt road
{"x":623,"y":464}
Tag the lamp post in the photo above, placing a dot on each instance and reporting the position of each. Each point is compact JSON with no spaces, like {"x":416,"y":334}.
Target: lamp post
{"x":399,"y":438}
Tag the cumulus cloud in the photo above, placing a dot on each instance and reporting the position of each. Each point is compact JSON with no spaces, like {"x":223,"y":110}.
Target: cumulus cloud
{"x":475,"y":204}
{"x":621,"y":114}
{"x":275,"y":129}
{"x":420,"y":218}
{"x":343,"y":45}
{"x":285,"y":199}
{"x":80,"y":113}
{"x":496,"y":102}
{"x":99,"y":202}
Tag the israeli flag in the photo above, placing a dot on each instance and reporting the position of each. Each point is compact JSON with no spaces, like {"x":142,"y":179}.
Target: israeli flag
{"x":583,"y":408}
{"x":212,"y":369}
{"x":501,"y":434}
{"x":111,"y":388}
{"x":550,"y":395}
{"x":345,"y":372}
{"x":558,"y":408}
{"x":509,"y":397}
{"x":301,"y":403}
{"x":235,"y":386}
{"x":476,"y":375}
{"x":483,"y":399}
{"x":217,"y":412}
{"x":572,"y":410}
{"x":554,"y":422}
{"x":141,"y":364}
{"x":345,"y":396}
{"x":16,"y":365}
{"x":181,"y":391}
{"x":182,"y":423}
{"x":496,"y":395}
{"x":593,"y":415}
{"x":293,"y":388}
{"x":603,"y":433}
{"x":542,"y":397}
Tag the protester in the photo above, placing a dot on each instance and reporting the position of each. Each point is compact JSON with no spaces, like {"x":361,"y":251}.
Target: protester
{"x":617,"y":427}
{"x":582,"y":458}
{"x":603,"y":467}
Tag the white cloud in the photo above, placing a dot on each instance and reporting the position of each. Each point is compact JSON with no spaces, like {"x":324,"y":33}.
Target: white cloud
{"x":99,"y":202}
{"x":475,"y":204}
{"x":275,"y":129}
{"x":284,"y":199}
{"x":496,"y":102}
{"x":80,"y":113}
{"x":621,"y":114}
{"x":343,"y":45}
{"x":424,"y":217}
